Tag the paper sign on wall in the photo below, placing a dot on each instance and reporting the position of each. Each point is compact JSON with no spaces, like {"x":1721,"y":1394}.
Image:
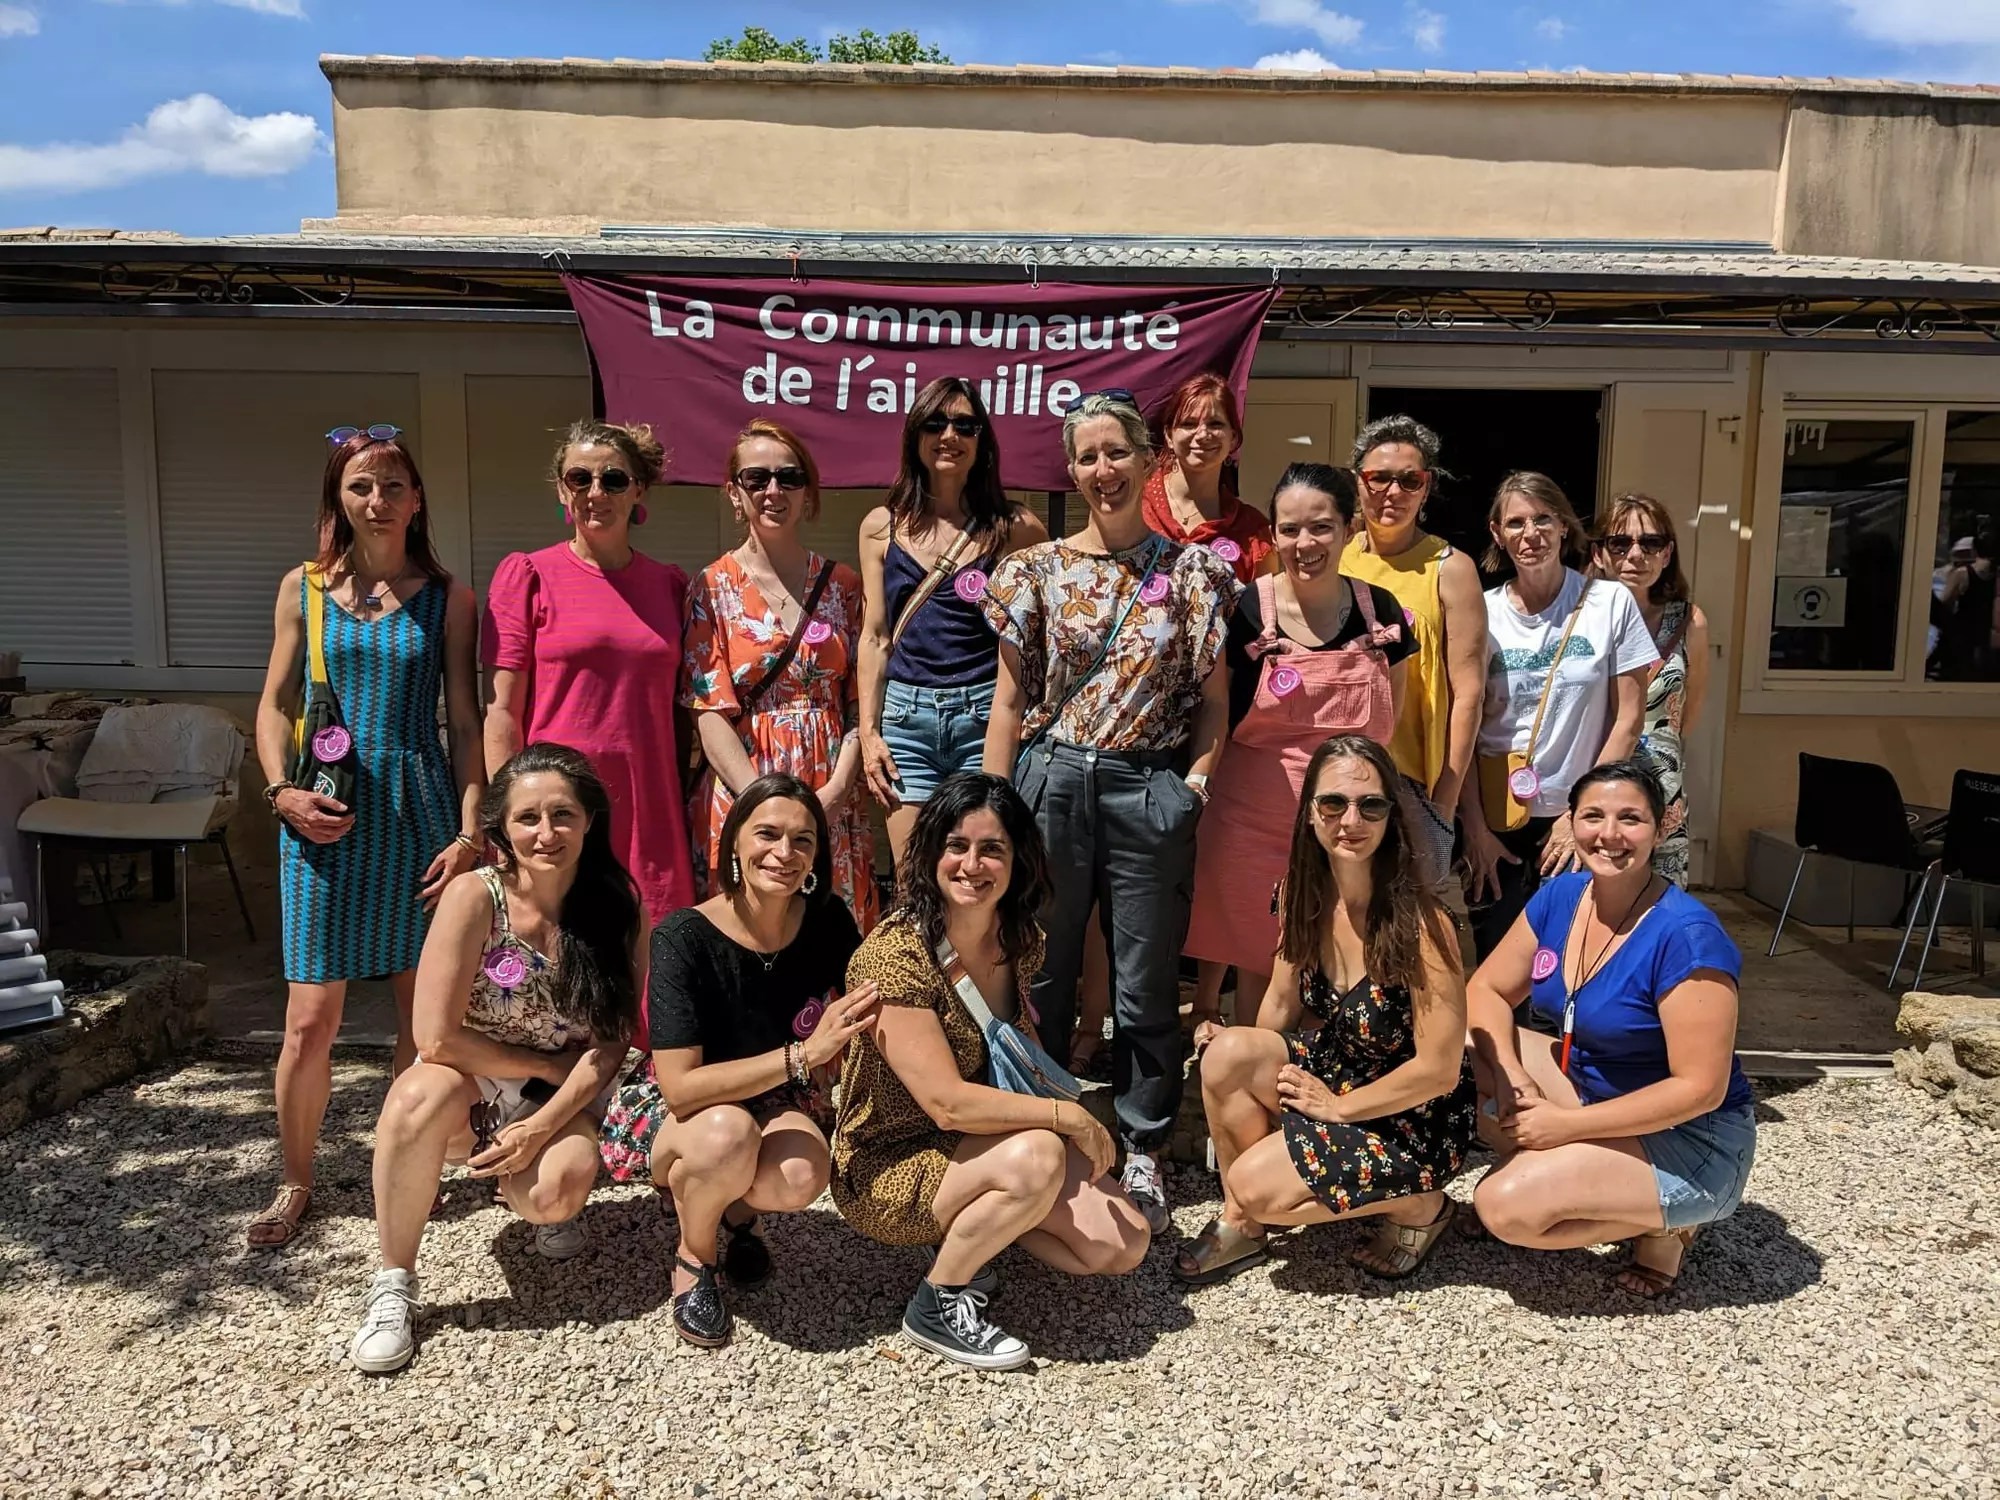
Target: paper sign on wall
{"x":1818,"y":602}
{"x":1802,"y":539}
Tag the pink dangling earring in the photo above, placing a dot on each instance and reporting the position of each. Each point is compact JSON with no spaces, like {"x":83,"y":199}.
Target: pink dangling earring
{"x":563,"y":506}
{"x":639,"y":515}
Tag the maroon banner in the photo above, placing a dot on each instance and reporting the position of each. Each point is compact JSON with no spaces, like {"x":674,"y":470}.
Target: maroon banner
{"x":840,"y":362}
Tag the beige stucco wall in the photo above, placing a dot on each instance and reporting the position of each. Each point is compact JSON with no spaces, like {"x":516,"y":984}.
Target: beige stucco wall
{"x":563,"y":154}
{"x":1901,"y":179}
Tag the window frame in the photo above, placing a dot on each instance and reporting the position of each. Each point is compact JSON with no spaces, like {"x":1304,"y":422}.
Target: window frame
{"x":1904,"y":689}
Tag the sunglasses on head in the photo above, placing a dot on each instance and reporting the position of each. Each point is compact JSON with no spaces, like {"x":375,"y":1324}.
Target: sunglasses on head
{"x":1110,"y":393}
{"x":965,"y":427}
{"x":1652,"y":542}
{"x":611,"y":481}
{"x":1410,"y":480}
{"x":1333,"y":806}
{"x":756,"y":481}
{"x":379,"y":432}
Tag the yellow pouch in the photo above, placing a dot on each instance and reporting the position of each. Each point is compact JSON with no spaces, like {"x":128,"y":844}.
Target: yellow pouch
{"x":1503,"y":813}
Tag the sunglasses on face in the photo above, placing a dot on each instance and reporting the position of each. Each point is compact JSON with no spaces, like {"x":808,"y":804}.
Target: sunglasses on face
{"x":1332,"y":806}
{"x":611,"y":481}
{"x":1651,"y":542}
{"x":756,"y":481}
{"x":965,"y":427}
{"x":379,"y":432}
{"x":1407,"y":480}
{"x":1110,"y":393}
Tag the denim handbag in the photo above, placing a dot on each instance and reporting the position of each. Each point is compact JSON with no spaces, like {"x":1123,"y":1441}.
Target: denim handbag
{"x":1015,"y":1060}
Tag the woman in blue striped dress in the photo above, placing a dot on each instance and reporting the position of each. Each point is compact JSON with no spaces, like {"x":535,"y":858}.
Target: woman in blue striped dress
{"x":358,"y":882}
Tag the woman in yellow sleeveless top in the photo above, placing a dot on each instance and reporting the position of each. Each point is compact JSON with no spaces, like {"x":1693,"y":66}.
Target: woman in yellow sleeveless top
{"x":1438,"y":587}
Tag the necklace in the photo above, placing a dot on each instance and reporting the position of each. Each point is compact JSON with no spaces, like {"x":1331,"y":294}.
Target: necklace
{"x":1587,"y":971}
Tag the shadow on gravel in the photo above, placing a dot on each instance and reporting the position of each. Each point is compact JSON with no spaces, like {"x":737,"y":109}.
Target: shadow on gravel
{"x":1748,"y":1259}
{"x":146,"y":1187}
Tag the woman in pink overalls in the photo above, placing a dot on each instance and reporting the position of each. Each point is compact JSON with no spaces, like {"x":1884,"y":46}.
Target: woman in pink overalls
{"x":1312,"y":654}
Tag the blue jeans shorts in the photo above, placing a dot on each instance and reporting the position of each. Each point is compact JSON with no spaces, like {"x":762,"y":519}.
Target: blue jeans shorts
{"x":934,"y":732}
{"x":1700,"y":1166}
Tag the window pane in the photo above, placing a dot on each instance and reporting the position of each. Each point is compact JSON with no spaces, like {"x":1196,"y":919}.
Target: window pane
{"x":1965,"y":625}
{"x":1844,"y":505}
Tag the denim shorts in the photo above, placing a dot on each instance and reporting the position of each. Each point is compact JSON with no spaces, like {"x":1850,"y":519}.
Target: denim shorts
{"x":934,"y":732}
{"x":1700,"y":1167}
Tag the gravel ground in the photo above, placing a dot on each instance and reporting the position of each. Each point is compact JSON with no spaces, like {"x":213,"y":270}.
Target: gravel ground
{"x":1840,"y":1336}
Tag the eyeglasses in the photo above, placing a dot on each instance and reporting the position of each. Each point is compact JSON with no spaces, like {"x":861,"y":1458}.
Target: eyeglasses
{"x":380,"y":432}
{"x":756,"y":481}
{"x":1652,"y":542}
{"x":611,"y":481}
{"x":965,"y":427}
{"x":1540,"y":525}
{"x":1407,"y":480}
{"x":1109,"y":393}
{"x":1332,"y":806}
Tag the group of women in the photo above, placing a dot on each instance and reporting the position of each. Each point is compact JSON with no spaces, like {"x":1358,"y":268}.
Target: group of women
{"x":1046,"y":725}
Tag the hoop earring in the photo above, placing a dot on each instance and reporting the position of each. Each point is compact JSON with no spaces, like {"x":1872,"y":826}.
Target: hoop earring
{"x":735,"y":871}
{"x":639,"y":515}
{"x":810,"y":883}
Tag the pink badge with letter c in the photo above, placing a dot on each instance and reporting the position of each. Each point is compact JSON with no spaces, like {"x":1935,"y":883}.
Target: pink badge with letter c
{"x":1546,"y":963}
{"x":1285,"y":681}
{"x":505,"y":968}
{"x":818,"y":631}
{"x":1225,"y":549}
{"x":970,"y":585}
{"x":1524,"y":784}
{"x":332,"y":743}
{"x":806,"y":1020}
{"x":1155,"y":588}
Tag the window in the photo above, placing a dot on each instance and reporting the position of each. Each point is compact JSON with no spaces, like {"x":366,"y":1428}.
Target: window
{"x":1843,"y":511}
{"x":1963,"y":643}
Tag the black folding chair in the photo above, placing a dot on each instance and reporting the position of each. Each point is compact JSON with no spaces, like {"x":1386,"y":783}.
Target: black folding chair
{"x":1853,"y":810}
{"x":1971,"y":856}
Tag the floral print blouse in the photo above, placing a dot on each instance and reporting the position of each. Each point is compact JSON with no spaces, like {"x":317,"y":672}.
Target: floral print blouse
{"x":1054,"y":603}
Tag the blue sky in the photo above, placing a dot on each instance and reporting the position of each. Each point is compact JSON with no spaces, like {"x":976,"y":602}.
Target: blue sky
{"x":211,"y":117}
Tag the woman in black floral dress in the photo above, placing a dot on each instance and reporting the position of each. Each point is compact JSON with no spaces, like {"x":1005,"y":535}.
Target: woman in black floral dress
{"x":1370,"y":1111}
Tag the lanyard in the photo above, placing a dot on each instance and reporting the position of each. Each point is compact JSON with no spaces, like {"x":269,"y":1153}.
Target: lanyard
{"x":1586,"y":974}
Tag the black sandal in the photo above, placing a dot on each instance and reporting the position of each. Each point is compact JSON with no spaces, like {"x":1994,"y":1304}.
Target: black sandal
{"x":700,"y":1315}
{"x":746,"y":1258}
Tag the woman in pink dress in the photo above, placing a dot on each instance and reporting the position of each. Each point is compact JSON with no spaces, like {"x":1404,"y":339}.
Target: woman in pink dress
{"x":582,"y":645}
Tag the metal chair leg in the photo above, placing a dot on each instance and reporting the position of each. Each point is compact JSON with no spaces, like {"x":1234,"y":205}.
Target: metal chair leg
{"x":181,"y":850}
{"x":1853,"y":874}
{"x":1930,"y":934}
{"x":1778,"y":931}
{"x":242,"y":906}
{"x":1916,"y":910}
{"x":100,"y":877}
{"x":1978,"y":931}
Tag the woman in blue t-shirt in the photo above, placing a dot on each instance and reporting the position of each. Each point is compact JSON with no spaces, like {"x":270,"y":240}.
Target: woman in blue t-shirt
{"x":1632,"y":1121}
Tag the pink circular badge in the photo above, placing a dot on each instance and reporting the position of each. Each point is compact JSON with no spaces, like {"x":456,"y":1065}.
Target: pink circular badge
{"x":1155,"y":588}
{"x":1285,"y":681}
{"x":1225,"y":549}
{"x":505,"y":967}
{"x":1524,"y":784}
{"x":1408,"y":618}
{"x":818,"y":631}
{"x":970,"y":585}
{"x":807,"y":1019}
{"x":1546,"y":963}
{"x":332,"y":743}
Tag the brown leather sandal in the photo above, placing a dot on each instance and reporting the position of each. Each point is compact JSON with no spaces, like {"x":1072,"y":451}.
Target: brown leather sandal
{"x":1650,"y":1282}
{"x":1403,"y":1247}
{"x":1219,"y":1251}
{"x":279,"y":1225}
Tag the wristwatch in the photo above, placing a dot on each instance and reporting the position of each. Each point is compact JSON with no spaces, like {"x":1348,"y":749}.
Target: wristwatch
{"x":272,"y":789}
{"x":1198,"y":784}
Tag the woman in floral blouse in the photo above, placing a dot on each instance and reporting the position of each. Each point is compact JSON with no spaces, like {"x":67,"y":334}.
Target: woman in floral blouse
{"x":1113,"y":699}
{"x":763,"y":704}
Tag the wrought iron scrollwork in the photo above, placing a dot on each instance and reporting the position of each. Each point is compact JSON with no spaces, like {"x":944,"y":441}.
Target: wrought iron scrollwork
{"x":227,"y":286}
{"x":1436,"y":311}
{"x":1919,"y":320}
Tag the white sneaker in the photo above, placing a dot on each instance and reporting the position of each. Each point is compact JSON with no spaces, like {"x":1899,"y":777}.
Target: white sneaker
{"x":559,"y":1241}
{"x":387,"y":1338}
{"x":1141,"y":1181}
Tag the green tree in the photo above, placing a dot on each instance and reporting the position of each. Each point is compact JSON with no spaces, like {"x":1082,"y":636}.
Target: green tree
{"x":897,"y":47}
{"x":758,"y":45}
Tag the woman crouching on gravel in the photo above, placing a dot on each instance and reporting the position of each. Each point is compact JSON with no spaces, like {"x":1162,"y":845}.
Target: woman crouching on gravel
{"x":1371,"y":1112}
{"x":526,"y":993}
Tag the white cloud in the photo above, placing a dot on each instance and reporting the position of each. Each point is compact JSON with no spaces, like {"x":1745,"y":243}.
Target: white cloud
{"x":1305,"y":60}
{"x":1330,"y":26}
{"x":18,"y":20}
{"x":1552,"y":28}
{"x":294,"y":9}
{"x":1926,"y":23}
{"x":196,"y":134}
{"x":1427,"y":30}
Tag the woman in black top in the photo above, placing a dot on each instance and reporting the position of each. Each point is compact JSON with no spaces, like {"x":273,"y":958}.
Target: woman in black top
{"x":747,"y":1024}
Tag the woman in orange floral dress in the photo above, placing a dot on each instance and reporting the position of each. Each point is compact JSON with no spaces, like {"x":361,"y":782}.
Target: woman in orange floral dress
{"x":763,"y":704}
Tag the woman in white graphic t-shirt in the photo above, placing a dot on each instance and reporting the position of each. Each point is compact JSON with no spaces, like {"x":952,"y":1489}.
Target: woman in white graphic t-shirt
{"x":1545,"y":721}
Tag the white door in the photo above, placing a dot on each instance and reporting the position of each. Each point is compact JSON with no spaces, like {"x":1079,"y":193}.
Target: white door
{"x":1682,"y":444}
{"x":1293,"y":421}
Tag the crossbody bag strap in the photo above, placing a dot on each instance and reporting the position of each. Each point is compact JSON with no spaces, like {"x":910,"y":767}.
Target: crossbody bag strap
{"x":947,"y":958}
{"x":315,"y":623}
{"x":1535,"y":732}
{"x":1104,"y":650}
{"x":920,"y":595}
{"x":749,"y":696}
{"x":1680,"y":633}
